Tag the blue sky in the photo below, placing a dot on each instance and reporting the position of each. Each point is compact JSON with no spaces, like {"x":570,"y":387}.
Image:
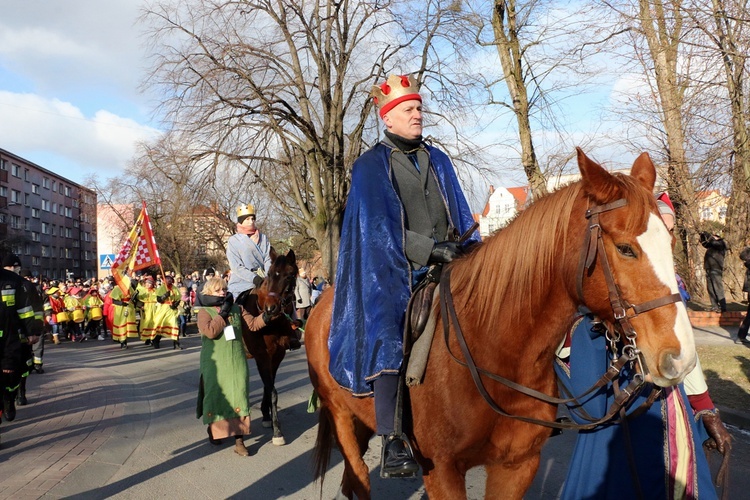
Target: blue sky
{"x":69,"y":76}
{"x":69,"y":98}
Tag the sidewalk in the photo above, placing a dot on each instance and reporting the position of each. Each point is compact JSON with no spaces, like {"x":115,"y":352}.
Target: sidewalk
{"x":108,"y":423}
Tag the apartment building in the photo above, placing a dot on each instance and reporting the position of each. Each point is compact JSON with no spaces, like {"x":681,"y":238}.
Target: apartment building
{"x":47,"y":220}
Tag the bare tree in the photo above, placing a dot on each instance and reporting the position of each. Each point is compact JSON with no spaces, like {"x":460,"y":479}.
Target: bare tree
{"x":281,"y":88}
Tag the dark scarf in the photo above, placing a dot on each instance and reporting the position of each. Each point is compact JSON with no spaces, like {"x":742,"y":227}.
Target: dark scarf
{"x":404,"y":144}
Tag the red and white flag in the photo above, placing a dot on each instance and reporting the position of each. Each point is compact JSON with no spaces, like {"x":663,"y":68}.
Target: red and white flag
{"x":139,"y":250}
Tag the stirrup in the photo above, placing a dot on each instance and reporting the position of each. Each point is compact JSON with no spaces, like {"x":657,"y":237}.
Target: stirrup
{"x":409,"y":466}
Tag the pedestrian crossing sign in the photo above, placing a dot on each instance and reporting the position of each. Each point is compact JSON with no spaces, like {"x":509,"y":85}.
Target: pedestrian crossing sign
{"x":106,"y":260}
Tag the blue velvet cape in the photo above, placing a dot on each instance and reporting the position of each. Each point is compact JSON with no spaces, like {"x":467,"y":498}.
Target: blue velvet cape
{"x":373,"y":277}
{"x":599,"y":465}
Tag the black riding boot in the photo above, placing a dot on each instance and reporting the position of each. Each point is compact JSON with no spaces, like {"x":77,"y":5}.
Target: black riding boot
{"x":176,"y":345}
{"x":397,"y":459}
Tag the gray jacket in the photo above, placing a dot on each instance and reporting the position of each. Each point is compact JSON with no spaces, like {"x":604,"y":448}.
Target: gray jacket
{"x":425,"y":210}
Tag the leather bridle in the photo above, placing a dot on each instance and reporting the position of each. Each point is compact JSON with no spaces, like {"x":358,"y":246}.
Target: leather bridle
{"x":630,"y":355}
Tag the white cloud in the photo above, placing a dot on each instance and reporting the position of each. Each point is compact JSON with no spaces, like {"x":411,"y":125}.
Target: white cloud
{"x":102,"y":143}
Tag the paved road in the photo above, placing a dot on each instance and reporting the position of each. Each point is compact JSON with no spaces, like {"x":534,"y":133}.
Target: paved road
{"x":104,"y":422}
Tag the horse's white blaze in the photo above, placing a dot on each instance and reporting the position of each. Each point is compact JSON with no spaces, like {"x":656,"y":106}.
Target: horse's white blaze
{"x":656,"y":243}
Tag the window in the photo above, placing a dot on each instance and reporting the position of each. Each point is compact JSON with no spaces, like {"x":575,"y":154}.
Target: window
{"x":3,"y":218}
{"x":62,"y":252}
{"x":86,"y":236}
{"x":45,"y":205}
{"x":54,"y":185}
{"x":35,"y":188}
{"x":75,"y":223}
{"x":68,"y":212}
{"x":27,"y":249}
{"x":75,"y":203}
{"x":76,"y":244}
{"x":26,"y":174}
{"x":54,"y":208}
{"x":15,"y":196}
{"x":26,"y":199}
{"x":15,"y":170}
{"x":45,"y":183}
{"x":35,"y":261}
{"x":3,"y":164}
{"x":45,"y":251}
{"x":45,"y":228}
{"x":35,"y":213}
{"x":68,"y":232}
{"x":34,"y":236}
{"x":15,"y":222}
{"x":26,"y":224}
{"x":67,"y":191}
{"x":52,"y":230}
{"x":3,"y":191}
{"x":68,"y":253}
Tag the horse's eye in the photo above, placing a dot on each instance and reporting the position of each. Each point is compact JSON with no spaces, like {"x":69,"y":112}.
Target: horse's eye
{"x":626,"y":250}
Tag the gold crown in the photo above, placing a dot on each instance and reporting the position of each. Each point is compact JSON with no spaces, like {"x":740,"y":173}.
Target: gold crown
{"x":245,"y":210}
{"x":396,"y":89}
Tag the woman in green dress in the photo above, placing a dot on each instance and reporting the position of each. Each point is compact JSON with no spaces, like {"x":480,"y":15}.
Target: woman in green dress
{"x":223,"y":393}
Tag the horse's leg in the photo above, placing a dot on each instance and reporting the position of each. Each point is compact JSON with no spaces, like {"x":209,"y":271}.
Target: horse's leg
{"x":445,"y":481}
{"x":352,"y":437}
{"x":276,"y":359}
{"x":278,"y":436}
{"x":510,"y":482}
{"x":349,"y":482}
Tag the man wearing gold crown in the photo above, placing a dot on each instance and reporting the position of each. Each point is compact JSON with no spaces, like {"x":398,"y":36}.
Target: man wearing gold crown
{"x":248,"y":253}
{"x":403,"y":211}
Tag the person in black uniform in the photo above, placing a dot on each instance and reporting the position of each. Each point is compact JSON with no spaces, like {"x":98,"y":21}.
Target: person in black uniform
{"x":19,"y":330}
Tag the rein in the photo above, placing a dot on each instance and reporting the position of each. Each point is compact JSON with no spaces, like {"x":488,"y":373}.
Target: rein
{"x":593,"y":245}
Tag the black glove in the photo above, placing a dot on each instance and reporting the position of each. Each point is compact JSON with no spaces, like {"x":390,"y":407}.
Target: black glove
{"x":162,"y":298}
{"x":271,"y":314}
{"x":226,"y":306}
{"x":299,"y":301}
{"x":257,"y":281}
{"x":445,"y":251}
{"x":174,"y":306}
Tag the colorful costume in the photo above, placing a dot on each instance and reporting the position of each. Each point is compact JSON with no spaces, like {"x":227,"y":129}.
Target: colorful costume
{"x":374,"y":276}
{"x":124,"y":325}
{"x":167,"y":312}
{"x":147,"y":300}
{"x":666,"y":440}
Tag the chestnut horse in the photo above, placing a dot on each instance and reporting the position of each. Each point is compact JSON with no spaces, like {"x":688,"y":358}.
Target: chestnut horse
{"x":515,"y":297}
{"x":268,"y":345}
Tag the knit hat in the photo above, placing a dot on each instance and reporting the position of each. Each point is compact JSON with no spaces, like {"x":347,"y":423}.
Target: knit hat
{"x":664,"y":208}
{"x":394,"y":91}
{"x":11,"y":260}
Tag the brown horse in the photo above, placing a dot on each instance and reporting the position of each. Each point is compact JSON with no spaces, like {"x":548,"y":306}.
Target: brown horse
{"x":268,"y":345}
{"x":515,"y":297}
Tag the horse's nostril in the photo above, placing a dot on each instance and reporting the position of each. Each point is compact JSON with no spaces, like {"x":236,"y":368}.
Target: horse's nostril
{"x":670,"y":366}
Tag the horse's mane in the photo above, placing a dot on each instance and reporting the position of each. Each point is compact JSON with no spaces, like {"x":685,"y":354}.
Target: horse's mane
{"x":514,"y":267}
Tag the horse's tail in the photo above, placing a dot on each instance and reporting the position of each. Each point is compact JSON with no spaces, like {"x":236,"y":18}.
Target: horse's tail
{"x":323,"y":445}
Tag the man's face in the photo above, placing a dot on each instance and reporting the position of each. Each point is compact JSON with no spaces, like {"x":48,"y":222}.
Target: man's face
{"x":405,"y":119}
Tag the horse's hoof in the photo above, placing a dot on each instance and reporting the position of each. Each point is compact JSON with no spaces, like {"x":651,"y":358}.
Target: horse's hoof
{"x":279,"y":441}
{"x":267,"y":424}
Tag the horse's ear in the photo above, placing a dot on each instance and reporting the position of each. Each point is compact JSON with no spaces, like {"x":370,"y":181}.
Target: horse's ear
{"x":597,"y":182}
{"x":644,"y":171}
{"x":272,"y":253}
{"x":291,"y":257}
